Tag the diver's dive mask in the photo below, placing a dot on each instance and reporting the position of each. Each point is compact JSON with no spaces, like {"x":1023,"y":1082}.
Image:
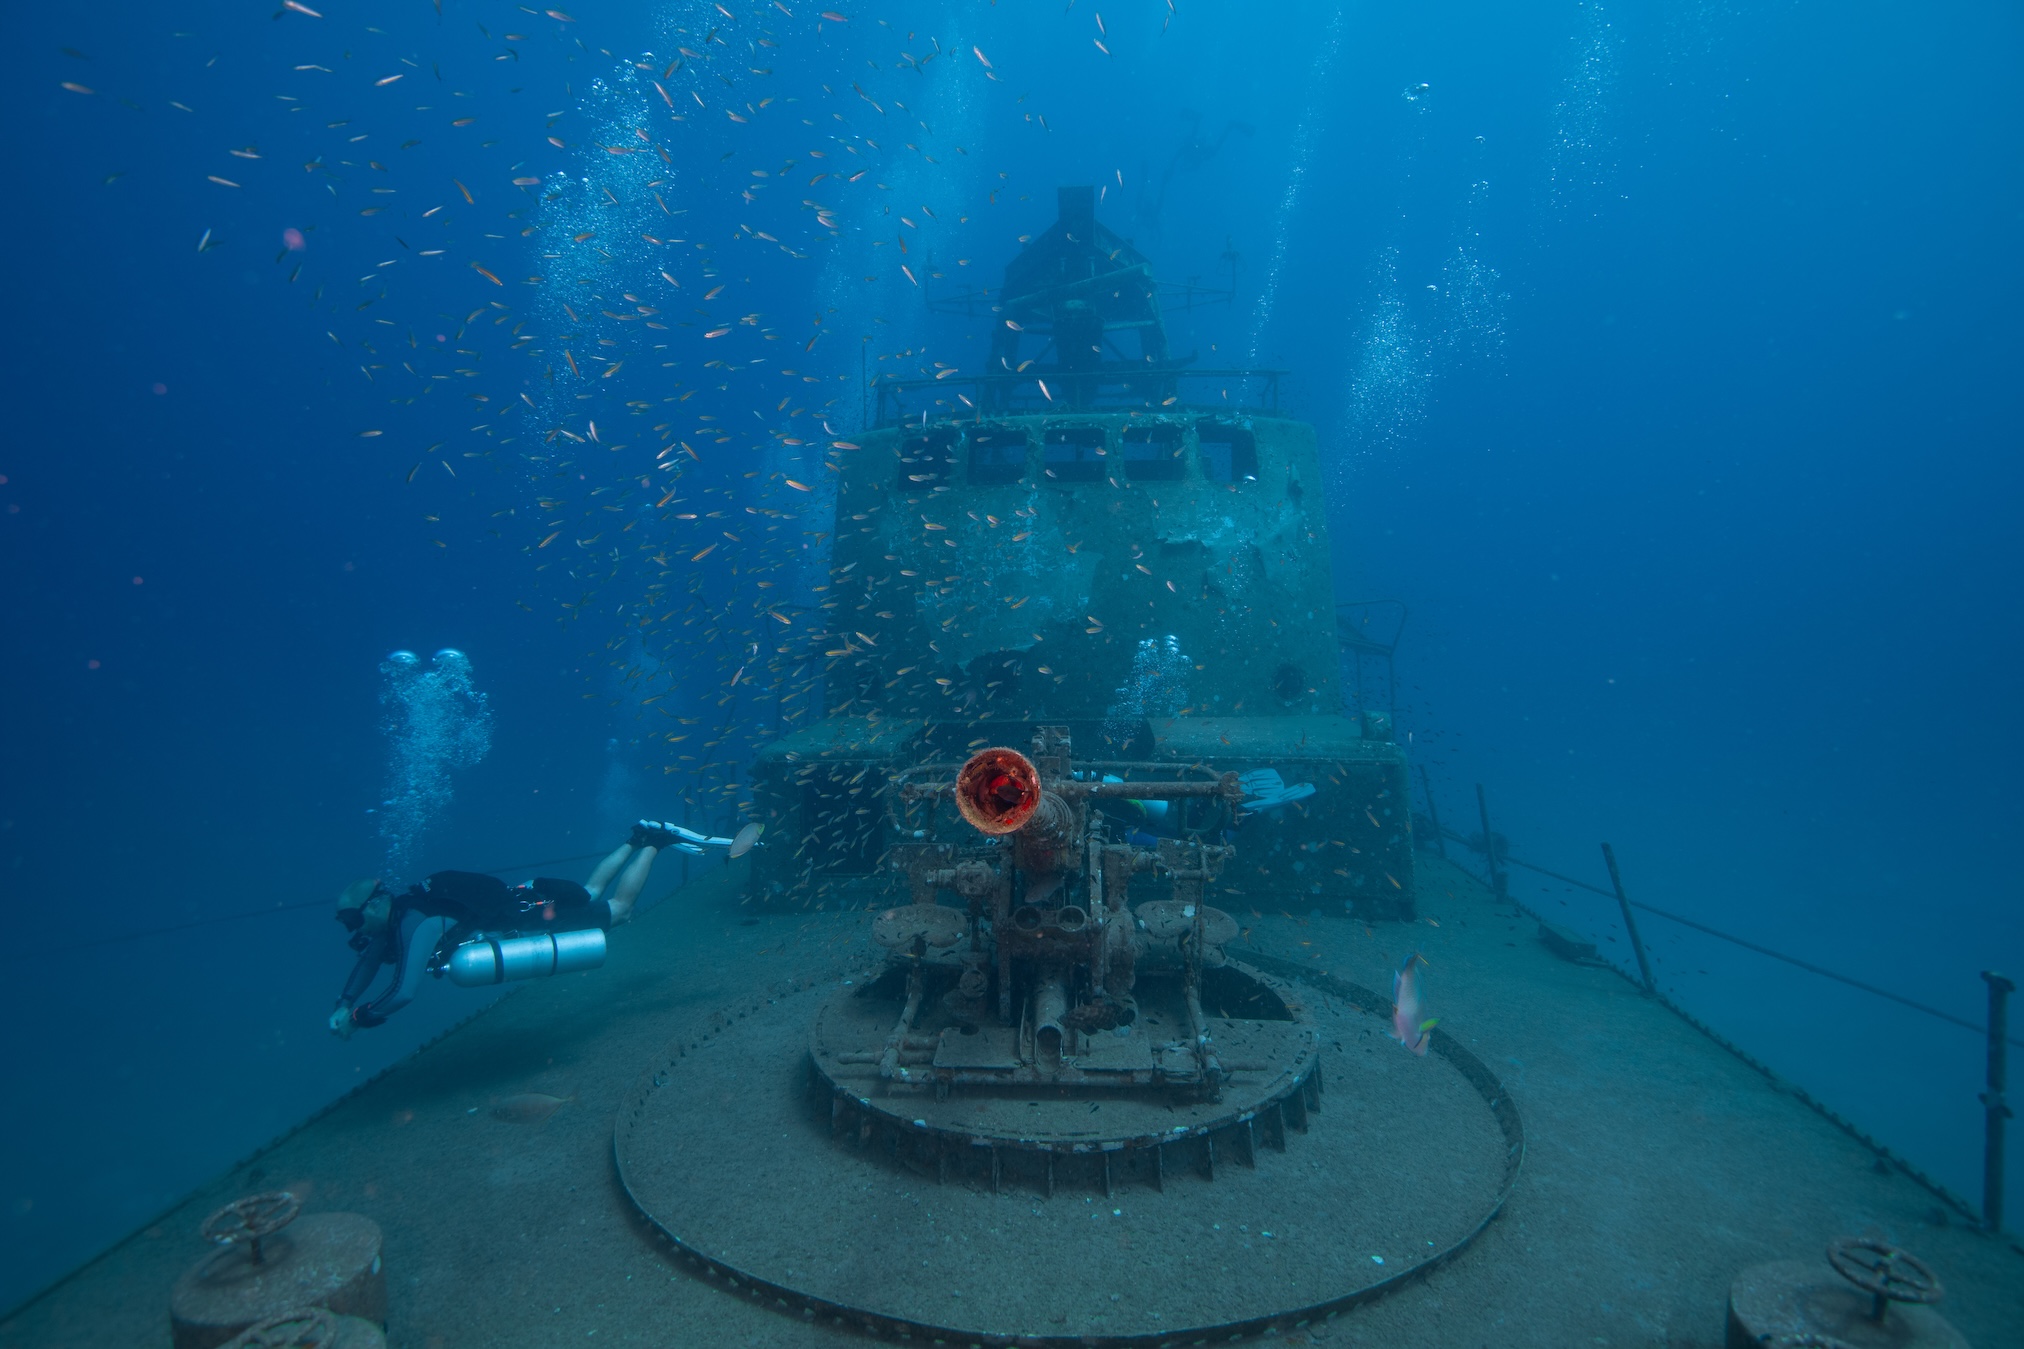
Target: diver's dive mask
{"x":364,"y":908}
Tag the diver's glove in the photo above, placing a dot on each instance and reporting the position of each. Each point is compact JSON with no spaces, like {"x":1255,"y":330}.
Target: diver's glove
{"x":1264,"y":790}
{"x":341,"y":1024}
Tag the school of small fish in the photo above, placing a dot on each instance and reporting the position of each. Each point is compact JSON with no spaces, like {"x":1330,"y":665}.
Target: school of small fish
{"x":647,"y":412}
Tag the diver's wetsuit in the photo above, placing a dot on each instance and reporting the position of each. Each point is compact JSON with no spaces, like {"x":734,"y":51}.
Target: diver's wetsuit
{"x":449,"y":908}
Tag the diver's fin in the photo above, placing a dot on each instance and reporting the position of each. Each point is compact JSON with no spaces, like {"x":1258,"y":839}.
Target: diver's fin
{"x":1261,"y":782}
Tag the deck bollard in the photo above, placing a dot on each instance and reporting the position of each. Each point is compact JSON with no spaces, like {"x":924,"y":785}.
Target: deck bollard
{"x":1995,"y":1109}
{"x":1644,"y":966}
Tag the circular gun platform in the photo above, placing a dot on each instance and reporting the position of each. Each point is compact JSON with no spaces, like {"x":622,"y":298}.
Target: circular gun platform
{"x":1091,"y":1125}
{"x":727,"y":1148}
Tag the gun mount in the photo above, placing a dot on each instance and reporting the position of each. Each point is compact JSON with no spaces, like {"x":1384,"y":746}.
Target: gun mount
{"x":1043,"y":977}
{"x":1093,"y":544}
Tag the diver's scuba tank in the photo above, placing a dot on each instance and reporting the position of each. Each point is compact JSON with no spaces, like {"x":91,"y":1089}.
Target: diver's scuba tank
{"x":498,"y":960}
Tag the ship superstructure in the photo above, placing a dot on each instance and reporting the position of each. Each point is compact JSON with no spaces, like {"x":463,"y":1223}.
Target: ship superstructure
{"x":1096,"y":535}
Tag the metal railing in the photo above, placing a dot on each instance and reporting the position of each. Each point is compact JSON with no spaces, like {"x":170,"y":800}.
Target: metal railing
{"x":952,"y":396}
{"x":1370,"y":630}
{"x":1496,"y":856}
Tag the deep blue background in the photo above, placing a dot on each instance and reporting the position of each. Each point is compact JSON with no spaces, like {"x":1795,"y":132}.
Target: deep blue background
{"x":1664,"y":357}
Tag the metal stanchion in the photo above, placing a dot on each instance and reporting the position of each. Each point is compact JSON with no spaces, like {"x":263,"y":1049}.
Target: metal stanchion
{"x":1498,"y":883}
{"x":1644,"y":966}
{"x":1433,"y":813}
{"x":1995,"y":1109}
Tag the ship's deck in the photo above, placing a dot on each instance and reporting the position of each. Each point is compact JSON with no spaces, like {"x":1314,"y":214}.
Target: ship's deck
{"x":1658,"y":1164}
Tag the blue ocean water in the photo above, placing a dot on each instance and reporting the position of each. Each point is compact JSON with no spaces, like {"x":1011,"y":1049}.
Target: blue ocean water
{"x":1662,"y":355}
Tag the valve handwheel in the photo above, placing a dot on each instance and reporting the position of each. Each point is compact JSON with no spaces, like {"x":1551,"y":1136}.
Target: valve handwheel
{"x":251,"y":1219}
{"x":310,"y":1328}
{"x":1884,"y":1272}
{"x":256,"y":1274}
{"x":1792,"y":1304}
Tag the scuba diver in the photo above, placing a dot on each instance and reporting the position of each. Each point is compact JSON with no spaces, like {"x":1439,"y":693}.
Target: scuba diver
{"x":479,"y":930}
{"x":1194,"y":151}
{"x":1144,"y":821}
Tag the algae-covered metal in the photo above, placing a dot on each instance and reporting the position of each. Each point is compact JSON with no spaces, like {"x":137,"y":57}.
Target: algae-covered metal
{"x":995,"y":545}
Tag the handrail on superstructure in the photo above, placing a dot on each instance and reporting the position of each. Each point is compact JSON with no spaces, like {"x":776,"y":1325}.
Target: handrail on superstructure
{"x":1354,"y":636}
{"x":1105,"y":389}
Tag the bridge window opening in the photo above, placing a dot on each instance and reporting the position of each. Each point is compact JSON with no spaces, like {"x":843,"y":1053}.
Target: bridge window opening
{"x":997,"y":456}
{"x":1153,"y":454}
{"x":1229,"y":453}
{"x":1289,"y":683}
{"x":927,"y":460}
{"x":1075,"y":454}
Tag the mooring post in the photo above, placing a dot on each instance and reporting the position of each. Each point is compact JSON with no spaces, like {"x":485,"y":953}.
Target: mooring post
{"x":1498,"y":885}
{"x":1994,"y":1109}
{"x":1433,"y":813}
{"x":1644,"y":966}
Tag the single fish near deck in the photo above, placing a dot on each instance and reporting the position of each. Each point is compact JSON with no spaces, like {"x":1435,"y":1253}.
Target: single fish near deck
{"x":1407,"y":1026}
{"x":529,"y":1107}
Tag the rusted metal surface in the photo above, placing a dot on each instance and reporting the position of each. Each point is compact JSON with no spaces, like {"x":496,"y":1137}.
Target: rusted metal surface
{"x":998,"y":791}
{"x":310,"y":1328}
{"x":934,"y":925}
{"x":250,"y":1220}
{"x":1045,"y":883}
{"x":272,"y":1263}
{"x":1867,"y":1294}
{"x":1886,"y":1273}
{"x":948,"y":1105}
